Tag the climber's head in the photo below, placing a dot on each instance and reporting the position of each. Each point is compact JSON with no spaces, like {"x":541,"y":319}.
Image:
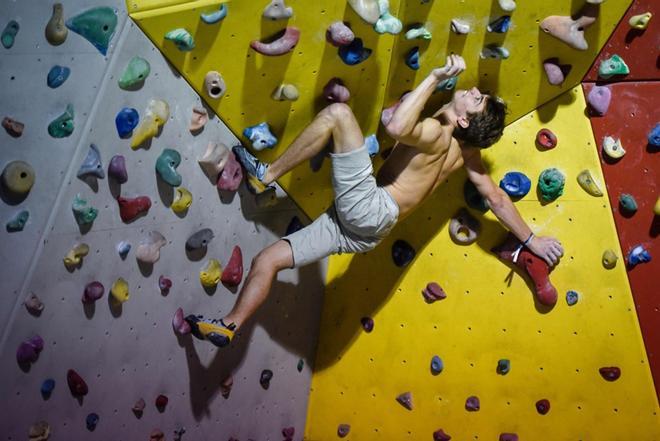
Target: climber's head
{"x":479,"y":117}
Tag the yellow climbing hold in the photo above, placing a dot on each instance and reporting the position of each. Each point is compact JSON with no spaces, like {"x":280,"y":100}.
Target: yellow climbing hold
{"x":609,"y":259}
{"x":156,"y":115}
{"x":74,"y":257}
{"x":211,"y":273}
{"x":119,"y":290}
{"x":182,"y":200}
{"x":587,"y":182}
{"x":656,"y":209}
{"x":640,"y":21}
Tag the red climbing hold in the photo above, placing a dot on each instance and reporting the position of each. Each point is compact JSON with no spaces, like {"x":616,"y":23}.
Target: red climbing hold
{"x":433,"y":292}
{"x":611,"y":373}
{"x":233,"y":272}
{"x":129,"y":209}
{"x":546,"y":139}
{"x":161,"y":402}
{"x":440,"y":435}
{"x":543,"y":406}
{"x":77,"y":385}
{"x":231,"y":175}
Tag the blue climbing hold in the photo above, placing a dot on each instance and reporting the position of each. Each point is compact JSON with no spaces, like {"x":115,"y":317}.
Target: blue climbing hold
{"x":216,"y":16}
{"x":372,"y":145}
{"x":354,"y":53}
{"x":515,"y":184}
{"x":446,"y":84}
{"x":57,"y":76}
{"x":503,"y":366}
{"x":572,"y":298}
{"x":92,"y":420}
{"x":654,"y":136}
{"x":436,"y":365}
{"x":412,"y":58}
{"x":638,"y":255}
{"x":260,"y":136}
{"x":123,"y":249}
{"x":500,"y":25}
{"x":402,"y":253}
{"x":126,"y":120}
{"x":47,"y":388}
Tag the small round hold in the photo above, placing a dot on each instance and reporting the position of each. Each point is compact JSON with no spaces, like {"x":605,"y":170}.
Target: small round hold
{"x":367,"y":324}
{"x":288,"y":433}
{"x":546,"y":139}
{"x":609,"y":259}
{"x":464,"y":228}
{"x":610,"y":373}
{"x":18,"y":178}
{"x":91,"y":421}
{"x":161,"y":402}
{"x":472,"y":404}
{"x":264,"y":379}
{"x":164,"y":284}
{"x":215,"y":85}
{"x":572,"y":297}
{"x":300,"y":365}
{"x":343,"y":430}
{"x":503,"y":366}
{"x":543,"y":406}
{"x":436,"y":365}
{"x":628,"y":203}
{"x":47,"y":387}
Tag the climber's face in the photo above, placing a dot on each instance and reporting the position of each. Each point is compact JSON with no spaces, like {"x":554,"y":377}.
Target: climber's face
{"x":467,"y":103}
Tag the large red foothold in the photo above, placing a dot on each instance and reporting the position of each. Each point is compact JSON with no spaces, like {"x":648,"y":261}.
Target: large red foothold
{"x":231,"y":175}
{"x":129,"y":209}
{"x":233,"y":272}
{"x":535,"y":267}
{"x":77,"y":385}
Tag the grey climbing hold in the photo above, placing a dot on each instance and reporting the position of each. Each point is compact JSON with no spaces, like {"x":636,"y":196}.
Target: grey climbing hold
{"x":33,"y":304}
{"x":572,"y":297}
{"x":436,"y":365}
{"x":199,"y":239}
{"x":599,"y":98}
{"x":405,"y":399}
{"x":92,"y":164}
{"x":277,"y":10}
{"x":494,"y":51}
{"x":17,"y":223}
{"x":503,"y":366}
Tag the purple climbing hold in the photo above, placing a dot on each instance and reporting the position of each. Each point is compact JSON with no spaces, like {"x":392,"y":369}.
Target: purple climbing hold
{"x":164,"y":284}
{"x":28,"y":351}
{"x":354,"y":53}
{"x":336,"y":92}
{"x":543,"y":406}
{"x":93,"y":291}
{"x":338,"y":34}
{"x":126,"y":120}
{"x":264,"y":379}
{"x":508,"y":437}
{"x":343,"y":430}
{"x":440,"y":435}
{"x":599,"y":98}
{"x":405,"y":399}
{"x":433,"y":292}
{"x":472,"y":404}
{"x":402,"y":253}
{"x":610,"y":373}
{"x":91,"y":421}
{"x":294,"y":226}
{"x":436,"y":365}
{"x":288,"y":433}
{"x":367,"y":324}
{"x":555,"y":71}
{"x":654,"y":136}
{"x":638,"y":255}
{"x":117,"y":169}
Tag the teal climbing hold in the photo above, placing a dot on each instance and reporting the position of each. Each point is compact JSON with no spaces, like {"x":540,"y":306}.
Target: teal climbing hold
{"x":628,"y":203}
{"x":166,"y":165}
{"x":135,"y":73}
{"x":84,"y":213}
{"x":96,"y":25}
{"x":17,"y":223}
{"x":9,"y":34}
{"x":613,"y":66}
{"x":62,"y":126}
{"x":503,"y":366}
{"x":446,"y":84}
{"x":181,"y":38}
{"x":551,"y":184}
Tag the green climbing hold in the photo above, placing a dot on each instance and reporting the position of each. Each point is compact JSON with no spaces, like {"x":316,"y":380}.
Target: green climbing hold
{"x":166,"y":165}
{"x":628,"y":203}
{"x":135,"y":73}
{"x":9,"y":34}
{"x":84,"y":214}
{"x":96,"y":25}
{"x":613,"y":66}
{"x":551,"y":184}
{"x":181,"y":38}
{"x":18,"y":222}
{"x":62,"y":126}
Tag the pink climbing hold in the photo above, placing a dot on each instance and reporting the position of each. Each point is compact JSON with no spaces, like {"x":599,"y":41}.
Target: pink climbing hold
{"x":93,"y":291}
{"x":77,"y":385}
{"x":131,"y":208}
{"x":546,"y":139}
{"x":336,"y":92}
{"x":610,"y":373}
{"x":179,"y":324}
{"x":161,"y":402}
{"x":472,"y":404}
{"x":231,"y":175}
{"x":233,"y":272}
{"x":288,"y":433}
{"x":440,"y":435}
{"x":405,"y":399}
{"x":555,"y":72}
{"x":338,"y":34}
{"x":599,"y":98}
{"x":281,"y":45}
{"x":164,"y":284}
{"x":508,"y":437}
{"x":433,"y":292}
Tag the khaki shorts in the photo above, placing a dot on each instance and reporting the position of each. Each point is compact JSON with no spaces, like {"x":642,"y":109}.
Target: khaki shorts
{"x":362,"y":215}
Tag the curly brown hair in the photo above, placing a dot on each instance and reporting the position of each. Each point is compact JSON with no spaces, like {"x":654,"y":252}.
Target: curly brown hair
{"x":486,"y":127}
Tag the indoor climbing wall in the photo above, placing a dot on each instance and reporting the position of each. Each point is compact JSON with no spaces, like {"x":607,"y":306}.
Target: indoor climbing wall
{"x":127,"y":352}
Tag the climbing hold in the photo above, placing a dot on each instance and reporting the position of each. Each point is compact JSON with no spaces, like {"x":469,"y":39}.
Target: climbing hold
{"x":503,"y":366}
{"x":412,"y":58}
{"x":74,"y":256}
{"x":551,"y":184}
{"x":181,"y":38}
{"x":472,"y":404}
{"x":33,"y":304}
{"x":515,"y":184}
{"x":96,"y":25}
{"x":494,"y":51}
{"x":136,"y":71}
{"x":260,"y":136}
{"x":613,"y":66}
{"x":277,"y":10}
{"x":460,"y":27}
{"x":354,"y":53}
{"x":161,"y":402}
{"x":156,"y":435}
{"x":555,"y":72}
{"x":367,"y":324}
{"x":182,"y":200}
{"x":57,"y":75}
{"x":93,"y":291}
{"x":654,"y":136}
{"x":543,"y":406}
{"x":214,"y":160}
{"x":588,"y":183}
{"x":17,"y":223}
{"x":56,"y":31}
{"x":92,"y":164}
{"x":179,"y":324}
{"x":402,"y":253}
{"x":231,"y":175}
{"x":433,"y":292}
{"x":91,"y":421}
{"x":599,"y":98}
{"x":233,"y":272}
{"x":125,"y":121}
{"x":28,"y":351}
{"x":336,"y":92}
{"x":62,"y":126}
{"x":546,"y":139}
{"x":280,"y":45}
{"x":138,"y":407}
{"x":9,"y":34}
{"x":164,"y":284}
{"x":47,"y":388}
{"x":609,"y":259}
{"x":613,"y":148}
{"x":129,"y":209}
{"x":473,"y":198}
{"x":199,"y":119}
{"x":166,"y":165}
{"x":215,"y":16}
{"x":627,"y":203}
{"x":368,"y":10}
{"x":464,"y":228}
{"x":288,"y":433}
{"x":500,"y":25}
{"x":343,"y":430}
{"x":123,"y":248}
{"x":446,"y":84}
{"x":535,"y":267}
{"x":300,"y":365}
{"x":294,"y":225}
{"x":371,"y":142}
{"x":84,"y":214}
{"x":149,"y":249}
{"x":119,"y":290}
{"x":420,"y":32}
{"x":156,"y":115}
{"x":436,"y":365}
{"x":405,"y":399}
{"x":225,"y":386}
{"x":77,"y":385}
{"x":211,"y":273}
{"x":199,"y":239}
{"x":507,"y":5}
{"x":387,"y":22}
{"x":178,"y":432}
{"x":640,"y":21}
{"x":508,"y":437}
{"x":656,"y":207}
{"x":440,"y":435}
{"x":572,"y":297}
{"x":610,"y":373}
{"x":338,"y":34}
{"x":39,"y":431}
{"x":214,"y":84}
{"x":638,"y":255}
{"x":264,"y":379}
{"x":117,"y":169}
{"x":12,"y":127}
{"x":569,"y":30}
{"x":285,"y":92}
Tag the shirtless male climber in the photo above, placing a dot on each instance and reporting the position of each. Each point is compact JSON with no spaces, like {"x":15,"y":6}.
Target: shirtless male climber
{"x":367,"y":208}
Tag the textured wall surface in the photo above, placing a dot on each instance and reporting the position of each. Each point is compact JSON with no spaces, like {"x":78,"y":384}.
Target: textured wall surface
{"x":131,"y":352}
